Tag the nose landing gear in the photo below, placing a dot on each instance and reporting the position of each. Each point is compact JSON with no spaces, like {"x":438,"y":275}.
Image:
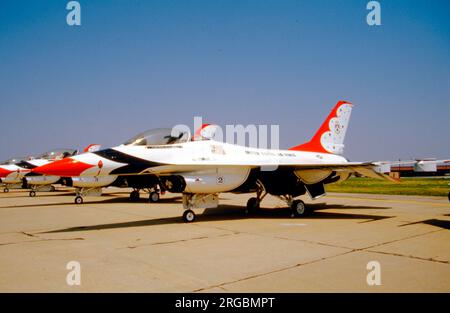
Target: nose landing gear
{"x":189,"y":216}
{"x":78,"y":200}
{"x":85,"y":191}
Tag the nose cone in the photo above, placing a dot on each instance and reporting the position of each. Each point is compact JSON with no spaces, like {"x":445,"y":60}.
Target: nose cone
{"x":67,"y":167}
{"x":4,"y":172}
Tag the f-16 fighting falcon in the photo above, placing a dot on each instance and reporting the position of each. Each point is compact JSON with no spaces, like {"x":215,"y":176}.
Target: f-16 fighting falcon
{"x":16,"y":172}
{"x":12,"y":173}
{"x":37,"y":182}
{"x":201,"y":169}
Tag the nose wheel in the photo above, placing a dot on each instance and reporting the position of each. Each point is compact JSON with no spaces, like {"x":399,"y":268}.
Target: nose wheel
{"x":189,"y":216}
{"x":78,"y":200}
{"x":32,"y":193}
{"x":6,"y":190}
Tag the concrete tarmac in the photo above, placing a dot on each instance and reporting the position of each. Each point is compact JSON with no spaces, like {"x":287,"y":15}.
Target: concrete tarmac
{"x":123,"y":246}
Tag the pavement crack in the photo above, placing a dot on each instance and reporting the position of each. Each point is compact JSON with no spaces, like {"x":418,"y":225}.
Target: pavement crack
{"x":400,"y":239}
{"x":38,"y":239}
{"x":410,"y":256}
{"x":270,"y":272}
{"x":174,"y":241}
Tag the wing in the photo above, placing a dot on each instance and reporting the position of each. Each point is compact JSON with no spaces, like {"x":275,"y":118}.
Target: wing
{"x":366,"y":169}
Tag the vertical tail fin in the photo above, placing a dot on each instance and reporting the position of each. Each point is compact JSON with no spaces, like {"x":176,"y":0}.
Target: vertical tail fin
{"x":330,"y":136}
{"x":92,"y":148}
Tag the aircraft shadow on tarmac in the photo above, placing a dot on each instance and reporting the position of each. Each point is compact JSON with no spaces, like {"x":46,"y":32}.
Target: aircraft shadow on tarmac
{"x":433,"y":222}
{"x":231,"y":212}
{"x":38,"y":195}
{"x":105,"y":201}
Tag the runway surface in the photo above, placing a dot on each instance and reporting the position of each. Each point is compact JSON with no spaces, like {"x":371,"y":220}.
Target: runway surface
{"x":126,"y":246}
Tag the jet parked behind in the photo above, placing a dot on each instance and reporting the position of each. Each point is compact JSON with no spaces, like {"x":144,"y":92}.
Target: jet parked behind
{"x":12,"y":173}
{"x":38,"y":182}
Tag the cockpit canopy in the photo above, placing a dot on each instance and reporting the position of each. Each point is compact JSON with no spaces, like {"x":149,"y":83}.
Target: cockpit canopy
{"x":14,"y":160}
{"x":159,"y":136}
{"x":57,"y":154}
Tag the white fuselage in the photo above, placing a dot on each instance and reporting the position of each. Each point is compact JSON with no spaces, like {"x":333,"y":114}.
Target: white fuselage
{"x":207,"y":166}
{"x":207,"y":154}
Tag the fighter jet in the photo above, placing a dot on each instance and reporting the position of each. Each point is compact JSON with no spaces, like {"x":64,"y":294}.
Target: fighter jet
{"x":12,"y":173}
{"x":201,"y":169}
{"x":93,"y":187}
{"x":38,"y":182}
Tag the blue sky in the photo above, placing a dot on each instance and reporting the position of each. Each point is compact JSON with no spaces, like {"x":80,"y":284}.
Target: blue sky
{"x":135,"y":65}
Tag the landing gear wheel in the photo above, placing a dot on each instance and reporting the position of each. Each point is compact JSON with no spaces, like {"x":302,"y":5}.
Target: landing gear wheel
{"x":32,"y":193}
{"x":6,"y":190}
{"x":188,"y":216}
{"x":298,"y":208}
{"x":154,"y":197}
{"x":134,"y":195}
{"x":252,"y":205}
{"x":52,"y":189}
{"x":78,"y":200}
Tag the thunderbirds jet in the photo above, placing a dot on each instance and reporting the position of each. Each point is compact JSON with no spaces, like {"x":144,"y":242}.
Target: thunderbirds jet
{"x":93,"y":187}
{"x":37,"y":182}
{"x":201,"y":169}
{"x":16,"y":172}
{"x":11,"y":173}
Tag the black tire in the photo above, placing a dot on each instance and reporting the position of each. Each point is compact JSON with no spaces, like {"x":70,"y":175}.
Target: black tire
{"x":298,"y":208}
{"x":78,"y":200}
{"x":52,"y":188}
{"x":449,"y":196}
{"x":32,"y":193}
{"x":189,"y":216}
{"x":6,"y":190}
{"x":154,"y":197}
{"x":252,"y":206}
{"x":134,"y":195}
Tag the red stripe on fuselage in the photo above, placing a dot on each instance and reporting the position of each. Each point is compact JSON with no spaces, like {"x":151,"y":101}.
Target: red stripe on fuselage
{"x":66,"y":167}
{"x":4,"y":172}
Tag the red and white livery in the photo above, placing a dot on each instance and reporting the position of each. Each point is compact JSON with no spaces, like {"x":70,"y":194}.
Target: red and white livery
{"x":200,"y":169}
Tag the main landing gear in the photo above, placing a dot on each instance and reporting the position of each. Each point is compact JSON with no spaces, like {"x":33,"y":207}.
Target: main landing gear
{"x":153,"y":194}
{"x":298,"y":207}
{"x":134,"y":195}
{"x":253,"y":204}
{"x":153,"y":197}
